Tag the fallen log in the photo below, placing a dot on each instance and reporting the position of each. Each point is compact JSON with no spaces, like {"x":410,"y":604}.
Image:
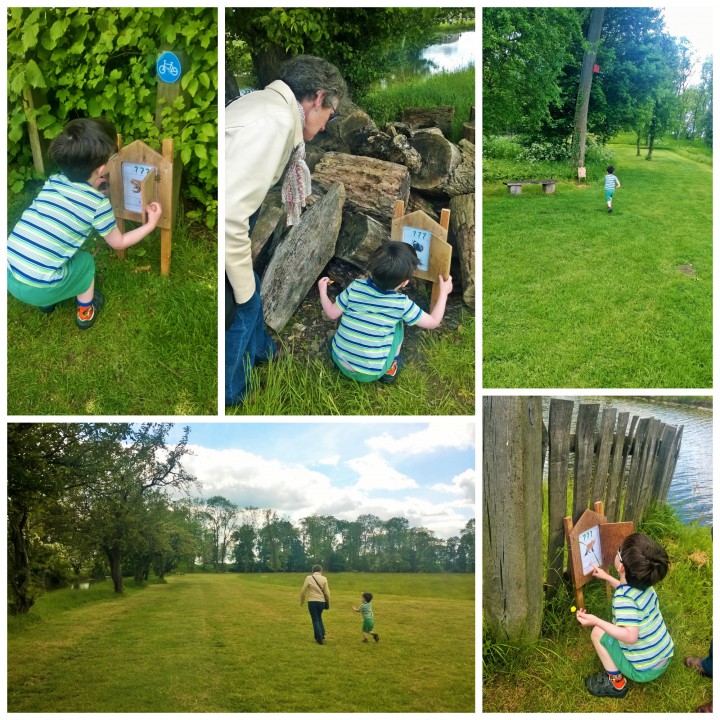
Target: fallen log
{"x":360,"y":235}
{"x":462,"y":230}
{"x":300,"y":257}
{"x":440,"y":117}
{"x":372,"y":186}
{"x":448,"y":169}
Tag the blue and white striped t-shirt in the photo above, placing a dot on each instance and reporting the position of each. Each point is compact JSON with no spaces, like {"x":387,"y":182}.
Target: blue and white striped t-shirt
{"x":610,"y":182}
{"x":640,"y":608}
{"x":365,"y":336}
{"x":54,"y":228}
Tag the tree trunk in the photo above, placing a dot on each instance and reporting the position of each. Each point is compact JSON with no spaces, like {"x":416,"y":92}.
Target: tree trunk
{"x":359,"y":237}
{"x":447,"y":169}
{"x":440,"y":117}
{"x":300,"y":257}
{"x":371,"y":186}
{"x":113,"y":556}
{"x":19,"y":577}
{"x":586,"y":77}
{"x":512,"y":517}
{"x":267,"y":64}
{"x":462,"y":227}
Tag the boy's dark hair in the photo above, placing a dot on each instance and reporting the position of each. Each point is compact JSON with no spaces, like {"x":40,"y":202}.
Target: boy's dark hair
{"x":307,"y":75}
{"x":367,"y":597}
{"x":646,"y":563}
{"x":391,"y":264}
{"x":611,"y":169}
{"x":84,"y":145}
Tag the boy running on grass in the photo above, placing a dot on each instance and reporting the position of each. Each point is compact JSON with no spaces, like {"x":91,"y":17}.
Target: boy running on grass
{"x":636,"y":644}
{"x":372,"y":310}
{"x":368,"y":618}
{"x":611,"y":182}
{"x":45,"y":263}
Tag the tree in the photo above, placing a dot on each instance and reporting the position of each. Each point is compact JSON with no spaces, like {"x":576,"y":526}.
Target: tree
{"x":586,"y":77}
{"x":221,"y":517}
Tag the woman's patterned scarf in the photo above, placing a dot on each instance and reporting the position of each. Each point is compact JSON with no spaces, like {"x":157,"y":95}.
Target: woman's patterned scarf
{"x":297,"y":184}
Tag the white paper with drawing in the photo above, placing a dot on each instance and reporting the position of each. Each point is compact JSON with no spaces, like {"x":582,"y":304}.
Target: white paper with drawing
{"x":590,"y":550}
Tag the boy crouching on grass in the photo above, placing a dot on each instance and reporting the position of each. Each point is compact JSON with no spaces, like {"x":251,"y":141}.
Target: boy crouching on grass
{"x":45,"y":262}
{"x":636,"y":644}
{"x":368,"y":618}
{"x":367,"y":344}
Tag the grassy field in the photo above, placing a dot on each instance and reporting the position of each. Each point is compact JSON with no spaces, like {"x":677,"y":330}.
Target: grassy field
{"x":550,"y":673}
{"x":153,"y":349}
{"x":237,"y":643}
{"x":575,"y":297}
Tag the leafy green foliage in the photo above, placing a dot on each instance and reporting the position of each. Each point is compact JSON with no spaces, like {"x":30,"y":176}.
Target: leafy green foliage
{"x":91,"y":62}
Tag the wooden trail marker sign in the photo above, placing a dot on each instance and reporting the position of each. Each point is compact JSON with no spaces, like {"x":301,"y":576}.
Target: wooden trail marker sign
{"x":429,"y":240}
{"x":138,"y":176}
{"x":593,"y":540}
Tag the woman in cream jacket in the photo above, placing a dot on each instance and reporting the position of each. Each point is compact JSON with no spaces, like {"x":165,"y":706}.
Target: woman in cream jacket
{"x":318,"y":595}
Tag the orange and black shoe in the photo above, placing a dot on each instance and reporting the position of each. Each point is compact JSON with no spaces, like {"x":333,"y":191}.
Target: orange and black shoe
{"x":389,"y":377}
{"x":602,"y":686}
{"x":86,"y":316}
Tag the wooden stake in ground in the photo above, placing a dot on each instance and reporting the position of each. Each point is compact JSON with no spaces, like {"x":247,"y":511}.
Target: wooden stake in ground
{"x":430,"y":242}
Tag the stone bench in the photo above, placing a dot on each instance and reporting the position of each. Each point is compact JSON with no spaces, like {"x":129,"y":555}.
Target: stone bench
{"x":515,"y":186}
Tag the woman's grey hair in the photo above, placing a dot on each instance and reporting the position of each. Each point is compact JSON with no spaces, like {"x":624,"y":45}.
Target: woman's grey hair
{"x":317,"y":568}
{"x":307,"y":75}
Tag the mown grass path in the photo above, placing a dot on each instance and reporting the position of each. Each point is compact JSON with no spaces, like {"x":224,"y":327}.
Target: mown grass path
{"x":234,"y":643}
{"x":575,"y":297}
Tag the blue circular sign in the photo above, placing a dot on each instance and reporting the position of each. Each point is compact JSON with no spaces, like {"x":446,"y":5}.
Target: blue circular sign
{"x":168,"y":67}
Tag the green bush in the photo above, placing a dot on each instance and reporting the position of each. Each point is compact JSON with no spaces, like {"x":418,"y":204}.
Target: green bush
{"x":91,"y":62}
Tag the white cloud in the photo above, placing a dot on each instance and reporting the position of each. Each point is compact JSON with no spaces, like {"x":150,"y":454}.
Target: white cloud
{"x":438,"y":434}
{"x":375,"y":473}
{"x":329,"y":460}
{"x":462,"y":484}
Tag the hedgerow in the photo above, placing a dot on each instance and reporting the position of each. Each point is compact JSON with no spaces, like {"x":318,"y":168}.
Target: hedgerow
{"x":91,"y":62}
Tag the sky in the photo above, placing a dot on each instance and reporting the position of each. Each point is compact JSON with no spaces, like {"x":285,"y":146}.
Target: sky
{"x":695,"y":22}
{"x":423,"y":471}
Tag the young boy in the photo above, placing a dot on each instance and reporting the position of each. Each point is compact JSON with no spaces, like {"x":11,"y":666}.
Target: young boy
{"x":636,"y":644}
{"x":368,"y":618}
{"x":45,"y":263}
{"x":372,"y":310}
{"x":610,"y":183}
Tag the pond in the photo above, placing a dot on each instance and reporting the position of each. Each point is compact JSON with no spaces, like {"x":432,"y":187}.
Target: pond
{"x":690,"y":493}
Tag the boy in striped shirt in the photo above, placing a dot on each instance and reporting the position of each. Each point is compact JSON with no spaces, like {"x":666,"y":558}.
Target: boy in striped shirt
{"x":368,"y":618}
{"x":45,"y":262}
{"x":636,"y":644}
{"x":372,"y":310}
{"x":611,"y":182}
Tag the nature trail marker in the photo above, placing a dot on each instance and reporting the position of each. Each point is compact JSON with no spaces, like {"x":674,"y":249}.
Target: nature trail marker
{"x":593,"y":540}
{"x":139,"y":175}
{"x":430,"y":242}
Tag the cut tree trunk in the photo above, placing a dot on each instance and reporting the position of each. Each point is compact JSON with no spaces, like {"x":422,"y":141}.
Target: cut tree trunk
{"x":462,"y":227}
{"x":448,"y":169}
{"x":359,"y":237}
{"x":439,"y":117}
{"x":270,"y":224}
{"x":300,"y":258}
{"x":372,"y":186}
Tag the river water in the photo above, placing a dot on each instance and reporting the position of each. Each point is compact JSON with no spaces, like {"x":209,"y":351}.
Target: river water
{"x":454,"y":53}
{"x":690,"y":493}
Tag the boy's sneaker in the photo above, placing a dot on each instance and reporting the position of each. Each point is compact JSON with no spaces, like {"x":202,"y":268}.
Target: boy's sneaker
{"x":365,"y":640}
{"x":601,"y":686}
{"x":376,"y":637}
{"x":389,"y":377}
{"x":609,"y":210}
{"x":47,"y":309}
{"x":86,"y":316}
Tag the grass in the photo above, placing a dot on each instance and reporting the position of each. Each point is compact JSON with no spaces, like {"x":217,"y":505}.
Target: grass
{"x":153,"y":349}
{"x":549,"y":674}
{"x":437,"y":378}
{"x":456,"y":89}
{"x":242,"y":643}
{"x":574,"y":297}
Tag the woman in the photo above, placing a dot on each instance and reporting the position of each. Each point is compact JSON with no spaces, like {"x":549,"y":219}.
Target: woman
{"x":266,"y":131}
{"x":318,"y":597}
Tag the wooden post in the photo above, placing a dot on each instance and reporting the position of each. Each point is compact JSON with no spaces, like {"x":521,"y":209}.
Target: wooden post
{"x":166,"y":233}
{"x":512,"y":512}
{"x":120,"y":221}
{"x":579,"y":595}
{"x":584,"y":449}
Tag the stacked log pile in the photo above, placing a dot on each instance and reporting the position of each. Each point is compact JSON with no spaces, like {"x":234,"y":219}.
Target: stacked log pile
{"x":359,"y":171}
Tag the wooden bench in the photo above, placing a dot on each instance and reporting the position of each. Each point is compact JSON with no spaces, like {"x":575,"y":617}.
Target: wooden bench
{"x":515,"y":186}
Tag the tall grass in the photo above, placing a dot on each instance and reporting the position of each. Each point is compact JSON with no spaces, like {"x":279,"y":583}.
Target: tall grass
{"x":549,"y":674}
{"x":239,"y":643}
{"x":152,"y":350}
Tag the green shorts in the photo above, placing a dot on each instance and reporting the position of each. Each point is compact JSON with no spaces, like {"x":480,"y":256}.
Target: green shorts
{"x":609,"y":194}
{"x":364,"y":377}
{"x":368,"y":624}
{"x":625,"y":666}
{"x":79,"y":274}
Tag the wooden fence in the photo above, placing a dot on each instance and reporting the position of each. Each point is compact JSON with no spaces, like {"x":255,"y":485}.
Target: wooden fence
{"x":627,"y":464}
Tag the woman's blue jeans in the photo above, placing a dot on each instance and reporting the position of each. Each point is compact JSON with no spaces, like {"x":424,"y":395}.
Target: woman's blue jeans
{"x":316,"y":609}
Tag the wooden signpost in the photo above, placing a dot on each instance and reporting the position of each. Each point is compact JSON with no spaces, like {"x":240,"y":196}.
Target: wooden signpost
{"x":429,"y":240}
{"x":138,"y":176}
{"x":592,"y":541}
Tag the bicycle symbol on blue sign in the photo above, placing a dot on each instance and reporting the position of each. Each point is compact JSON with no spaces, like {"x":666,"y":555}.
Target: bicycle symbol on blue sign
{"x":168,"y":67}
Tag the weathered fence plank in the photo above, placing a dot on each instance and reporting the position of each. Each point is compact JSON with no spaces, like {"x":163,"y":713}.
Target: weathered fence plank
{"x":674,"y":452}
{"x":559,"y":423}
{"x":607,"y":424}
{"x":655,"y":429}
{"x":632,"y":492}
{"x":615,"y":477}
{"x":584,"y":447}
{"x":663,"y":460}
{"x":512,"y":516}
